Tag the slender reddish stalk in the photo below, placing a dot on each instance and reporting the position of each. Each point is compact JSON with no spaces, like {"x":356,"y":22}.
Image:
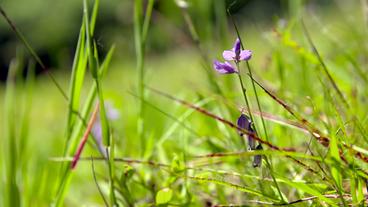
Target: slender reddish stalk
{"x":224,"y":121}
{"x":324,"y":140}
{"x":85,"y":137}
{"x":252,"y":135}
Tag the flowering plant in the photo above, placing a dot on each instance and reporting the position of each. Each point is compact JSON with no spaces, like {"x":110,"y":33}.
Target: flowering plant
{"x":236,"y":54}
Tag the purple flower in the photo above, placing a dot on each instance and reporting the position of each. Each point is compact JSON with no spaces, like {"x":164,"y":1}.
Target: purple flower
{"x":236,"y":54}
{"x":245,"y":123}
{"x":111,"y":114}
{"x":224,"y":68}
{"x":97,"y":135}
{"x":237,"y":47}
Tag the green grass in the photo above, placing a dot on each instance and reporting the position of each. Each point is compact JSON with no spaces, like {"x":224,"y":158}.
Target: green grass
{"x":189,"y":152}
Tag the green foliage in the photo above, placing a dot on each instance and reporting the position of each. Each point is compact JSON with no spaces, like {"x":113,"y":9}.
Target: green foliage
{"x":176,"y":142}
{"x":164,"y":196}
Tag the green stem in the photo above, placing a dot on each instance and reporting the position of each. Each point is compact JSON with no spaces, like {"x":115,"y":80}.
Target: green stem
{"x":259,"y":107}
{"x":147,"y":19}
{"x":244,"y":93}
{"x":268,"y":163}
{"x":141,"y":27}
{"x":110,"y":157}
{"x":257,"y":99}
{"x":139,"y":45}
{"x":245,"y":97}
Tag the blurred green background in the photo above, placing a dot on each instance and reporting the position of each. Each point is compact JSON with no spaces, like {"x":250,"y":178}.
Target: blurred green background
{"x":52,"y":27}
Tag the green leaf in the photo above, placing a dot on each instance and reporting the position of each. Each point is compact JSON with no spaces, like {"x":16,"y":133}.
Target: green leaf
{"x":177,"y":164}
{"x":128,"y":172}
{"x":334,"y":153}
{"x":275,"y":191}
{"x":310,"y":190}
{"x":245,"y":189}
{"x":164,"y":196}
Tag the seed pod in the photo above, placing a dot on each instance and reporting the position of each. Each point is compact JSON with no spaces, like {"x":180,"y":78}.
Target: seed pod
{"x":245,"y":123}
{"x":251,"y":141}
{"x":257,"y":160}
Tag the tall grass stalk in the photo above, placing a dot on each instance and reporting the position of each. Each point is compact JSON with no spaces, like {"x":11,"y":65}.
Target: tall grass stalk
{"x":17,"y":105}
{"x":141,"y":27}
{"x":93,"y":64}
{"x":11,"y":150}
{"x":96,"y":182}
{"x":24,"y":134}
{"x":324,"y":67}
{"x":263,"y":123}
{"x":76,"y":83}
{"x":197,"y":42}
{"x":110,"y":152}
{"x":98,"y":70}
{"x":365,"y":11}
{"x":268,"y":163}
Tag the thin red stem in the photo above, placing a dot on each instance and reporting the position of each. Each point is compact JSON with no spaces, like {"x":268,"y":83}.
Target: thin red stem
{"x":85,"y":137}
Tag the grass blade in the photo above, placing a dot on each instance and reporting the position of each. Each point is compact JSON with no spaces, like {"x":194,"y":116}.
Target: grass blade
{"x":76,"y":82}
{"x":324,"y":67}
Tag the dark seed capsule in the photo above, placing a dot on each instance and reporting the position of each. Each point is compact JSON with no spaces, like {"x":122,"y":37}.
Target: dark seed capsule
{"x":244,"y":123}
{"x":257,"y":161}
{"x":251,"y":141}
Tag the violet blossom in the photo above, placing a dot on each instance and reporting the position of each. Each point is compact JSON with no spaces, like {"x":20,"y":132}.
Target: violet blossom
{"x":224,"y":68}
{"x":236,"y":54}
{"x":111,"y":114}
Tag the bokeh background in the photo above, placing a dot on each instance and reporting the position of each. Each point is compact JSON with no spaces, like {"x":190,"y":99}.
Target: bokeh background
{"x":52,"y":27}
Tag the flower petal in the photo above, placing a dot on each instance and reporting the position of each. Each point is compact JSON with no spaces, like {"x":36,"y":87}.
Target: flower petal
{"x":97,"y":135}
{"x":228,"y":55}
{"x":237,"y":46}
{"x":224,"y":68}
{"x":112,"y":113}
{"x":245,"y":55}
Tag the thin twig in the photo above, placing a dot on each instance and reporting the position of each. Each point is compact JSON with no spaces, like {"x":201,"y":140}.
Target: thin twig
{"x":283,"y":204}
{"x":166,"y":114}
{"x":226,"y":122}
{"x":324,"y":140}
{"x":98,"y":187}
{"x":337,"y":89}
{"x":195,"y":37}
{"x":126,"y":160}
{"x":85,"y":137}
